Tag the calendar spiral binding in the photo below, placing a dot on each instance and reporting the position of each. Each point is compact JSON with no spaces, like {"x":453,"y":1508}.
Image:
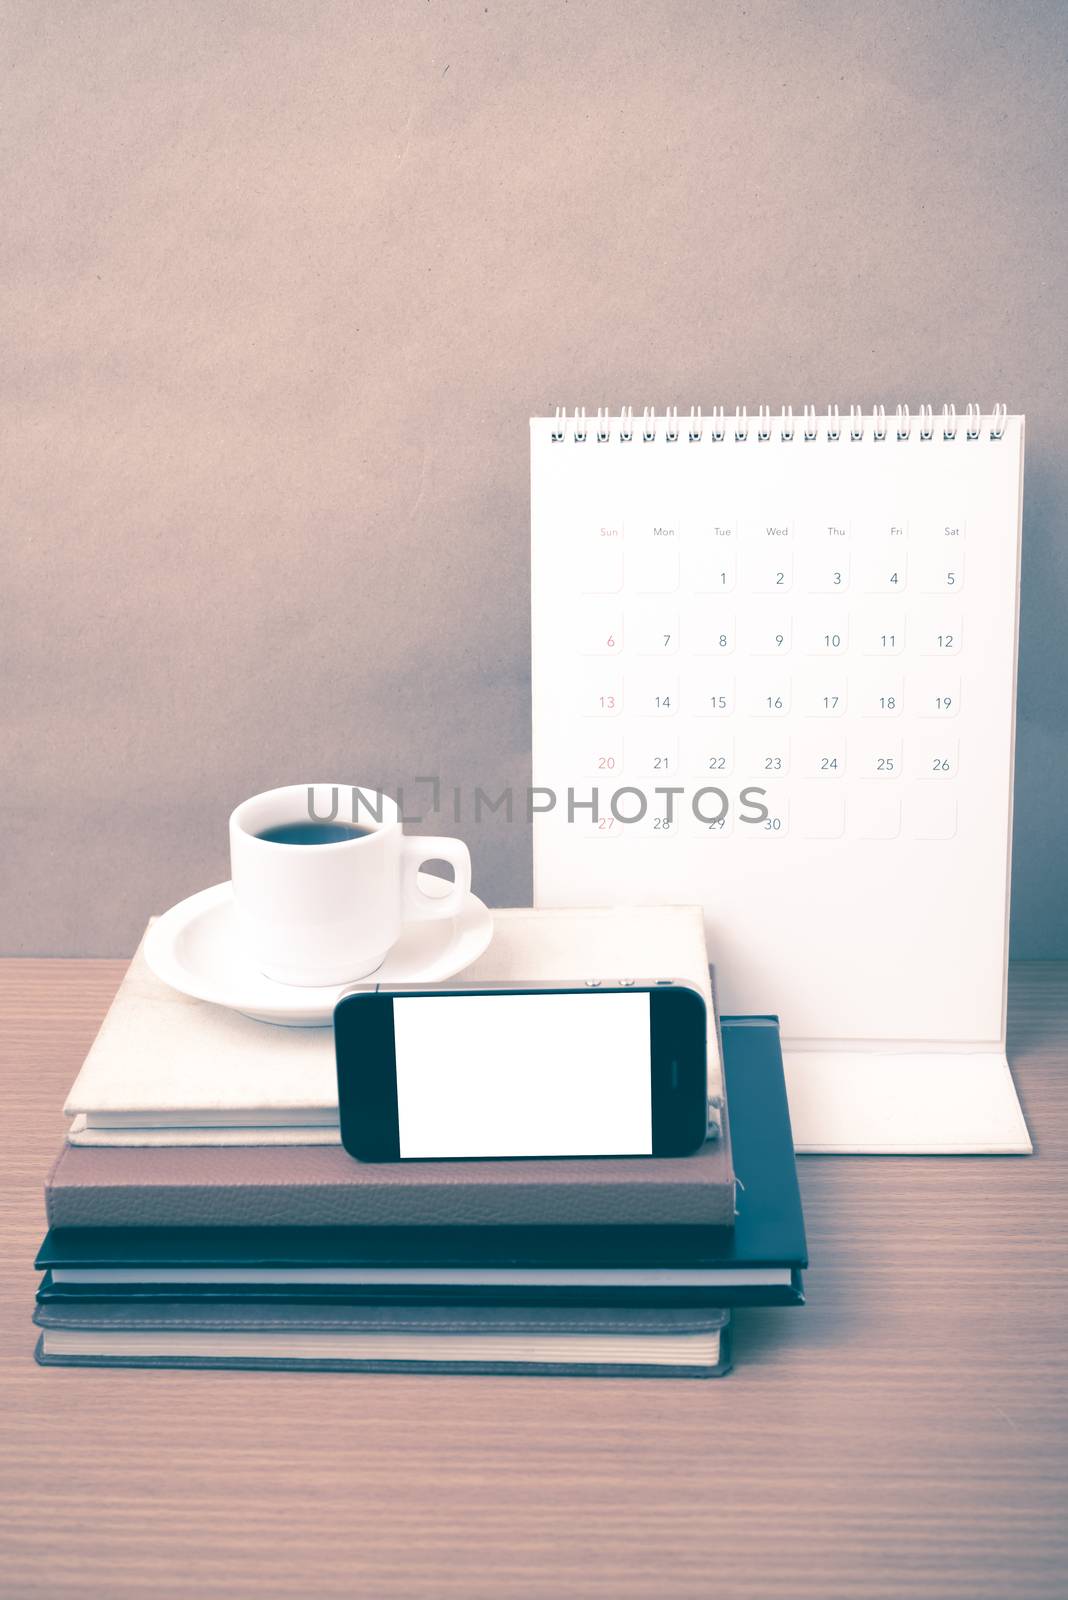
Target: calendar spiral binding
{"x":832,"y":425}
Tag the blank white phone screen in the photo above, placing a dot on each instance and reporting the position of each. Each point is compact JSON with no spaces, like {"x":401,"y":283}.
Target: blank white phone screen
{"x":524,"y":1075}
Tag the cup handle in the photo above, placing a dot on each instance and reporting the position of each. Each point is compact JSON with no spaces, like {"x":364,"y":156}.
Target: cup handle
{"x":431,"y":907}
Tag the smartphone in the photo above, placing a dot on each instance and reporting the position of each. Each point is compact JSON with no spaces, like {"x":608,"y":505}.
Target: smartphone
{"x":484,"y":1073}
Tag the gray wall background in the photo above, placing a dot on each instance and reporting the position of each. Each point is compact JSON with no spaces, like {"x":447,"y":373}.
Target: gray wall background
{"x":283,"y":282}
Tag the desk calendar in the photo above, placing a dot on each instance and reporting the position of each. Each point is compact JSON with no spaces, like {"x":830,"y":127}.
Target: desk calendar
{"x":774,"y":666}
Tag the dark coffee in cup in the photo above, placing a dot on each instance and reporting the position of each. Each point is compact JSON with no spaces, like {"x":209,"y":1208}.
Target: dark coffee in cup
{"x":312,"y":832}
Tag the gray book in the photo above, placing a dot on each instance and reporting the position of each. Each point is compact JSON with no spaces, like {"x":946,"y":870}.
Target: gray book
{"x":322,"y":1186}
{"x":624,"y":1341}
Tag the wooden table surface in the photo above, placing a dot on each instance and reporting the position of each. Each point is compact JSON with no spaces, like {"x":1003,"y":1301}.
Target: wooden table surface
{"x":902,"y":1435}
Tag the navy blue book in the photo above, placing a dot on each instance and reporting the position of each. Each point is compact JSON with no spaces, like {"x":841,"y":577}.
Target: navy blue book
{"x":757,"y":1262}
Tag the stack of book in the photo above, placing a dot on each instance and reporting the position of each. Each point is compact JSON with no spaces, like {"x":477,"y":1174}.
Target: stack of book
{"x":203,"y":1212}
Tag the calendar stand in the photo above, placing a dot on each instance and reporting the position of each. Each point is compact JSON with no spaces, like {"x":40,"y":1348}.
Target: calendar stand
{"x":868,"y":1103}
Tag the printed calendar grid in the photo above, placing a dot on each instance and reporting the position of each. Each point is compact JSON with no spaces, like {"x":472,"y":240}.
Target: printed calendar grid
{"x":830,"y":642}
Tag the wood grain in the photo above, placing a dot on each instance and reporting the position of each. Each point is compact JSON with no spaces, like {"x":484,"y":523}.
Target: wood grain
{"x":903,"y":1435}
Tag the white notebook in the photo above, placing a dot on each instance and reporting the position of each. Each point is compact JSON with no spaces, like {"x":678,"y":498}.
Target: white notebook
{"x":168,"y":1070}
{"x":781,"y":653}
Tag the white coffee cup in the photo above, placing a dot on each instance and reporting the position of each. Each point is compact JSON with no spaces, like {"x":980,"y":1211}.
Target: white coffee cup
{"x":318,"y":914}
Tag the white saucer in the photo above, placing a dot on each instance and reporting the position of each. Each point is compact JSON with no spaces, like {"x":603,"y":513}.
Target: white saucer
{"x":196,"y":948}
